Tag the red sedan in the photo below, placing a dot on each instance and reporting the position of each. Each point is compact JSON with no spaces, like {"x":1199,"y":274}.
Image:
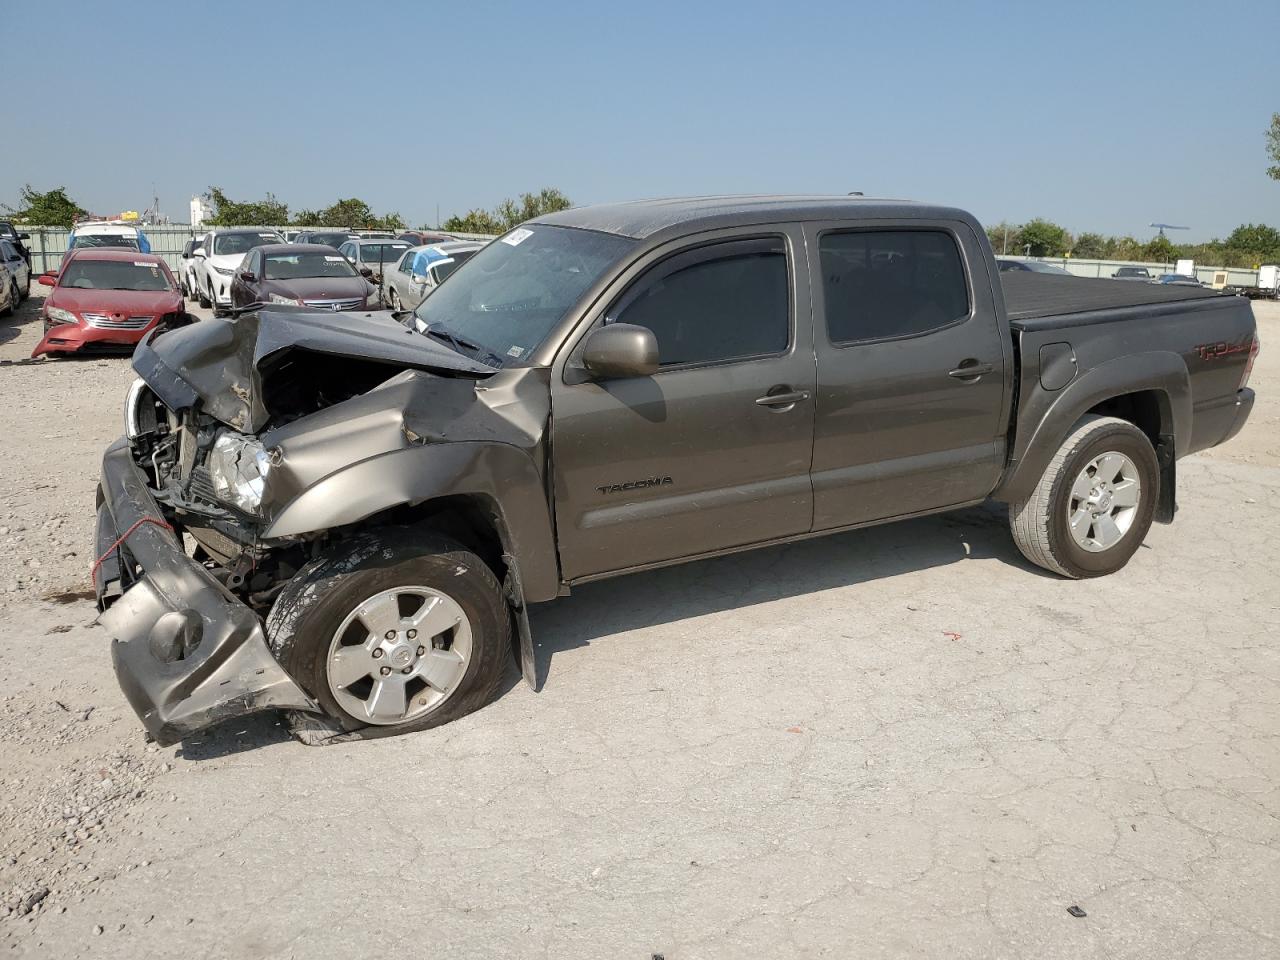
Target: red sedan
{"x":105,"y":298}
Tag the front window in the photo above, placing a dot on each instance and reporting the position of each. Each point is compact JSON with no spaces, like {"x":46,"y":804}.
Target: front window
{"x":510,"y":295}
{"x":227,"y":244}
{"x":115,"y":275}
{"x":298,"y":266}
{"x":118,"y":240}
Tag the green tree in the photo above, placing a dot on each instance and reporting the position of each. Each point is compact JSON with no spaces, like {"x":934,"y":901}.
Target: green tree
{"x":1045,"y":238}
{"x":1004,"y":237}
{"x":1256,"y":242}
{"x":1160,"y":250}
{"x":1273,"y":147}
{"x":510,"y":213}
{"x":230,"y":213}
{"x":1091,"y":246}
{"x":307,"y":218}
{"x":475,"y":221}
{"x":349,"y":213}
{"x":51,"y":209}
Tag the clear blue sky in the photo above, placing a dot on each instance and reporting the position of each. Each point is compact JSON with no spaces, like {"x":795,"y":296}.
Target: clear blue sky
{"x":1102,"y":116}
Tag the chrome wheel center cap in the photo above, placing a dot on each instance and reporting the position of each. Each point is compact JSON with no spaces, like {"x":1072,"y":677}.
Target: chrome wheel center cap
{"x":401,"y":655}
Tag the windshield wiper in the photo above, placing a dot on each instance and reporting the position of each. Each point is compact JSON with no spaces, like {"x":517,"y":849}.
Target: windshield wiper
{"x":458,"y":344}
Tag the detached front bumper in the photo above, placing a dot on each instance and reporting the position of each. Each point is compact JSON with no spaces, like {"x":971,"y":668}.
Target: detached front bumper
{"x":186,"y":652}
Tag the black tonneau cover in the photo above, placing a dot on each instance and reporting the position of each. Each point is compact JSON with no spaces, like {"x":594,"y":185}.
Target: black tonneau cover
{"x":1028,"y":295}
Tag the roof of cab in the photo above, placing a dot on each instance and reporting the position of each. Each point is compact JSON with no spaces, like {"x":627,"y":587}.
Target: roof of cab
{"x":643,"y":219}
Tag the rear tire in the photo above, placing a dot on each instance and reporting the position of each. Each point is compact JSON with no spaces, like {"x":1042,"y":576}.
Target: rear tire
{"x":1093,"y":506}
{"x":321,"y":628}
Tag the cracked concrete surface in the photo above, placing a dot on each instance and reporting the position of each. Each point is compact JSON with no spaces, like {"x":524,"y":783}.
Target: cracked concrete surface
{"x":903,"y":741}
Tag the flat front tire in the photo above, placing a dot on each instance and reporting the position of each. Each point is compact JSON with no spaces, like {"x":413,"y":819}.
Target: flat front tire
{"x":395,"y":631}
{"x":1094,"y":503}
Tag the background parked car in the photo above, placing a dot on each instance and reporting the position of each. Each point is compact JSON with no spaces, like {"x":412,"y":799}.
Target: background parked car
{"x":422,"y":269}
{"x":9,"y":297}
{"x":17,"y":267}
{"x":107,"y":298}
{"x":330,"y":238}
{"x":220,"y":252}
{"x":376,"y":255}
{"x":1178,"y":280}
{"x":300,"y":274}
{"x":187,"y":269}
{"x":1031,"y":266}
{"x":1132,"y":273}
{"x":11,"y":233}
{"x":108,"y":233}
{"x":422,"y":238}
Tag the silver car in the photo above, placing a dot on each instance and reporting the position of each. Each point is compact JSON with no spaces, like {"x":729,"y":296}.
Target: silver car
{"x":377,"y":254}
{"x":422,"y":269}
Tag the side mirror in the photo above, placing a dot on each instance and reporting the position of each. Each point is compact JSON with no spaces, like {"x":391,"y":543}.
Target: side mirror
{"x":247,"y":276}
{"x":366,"y":272}
{"x":621,"y":350}
{"x":198,"y":252}
{"x":46,"y":280}
{"x":24,"y":236}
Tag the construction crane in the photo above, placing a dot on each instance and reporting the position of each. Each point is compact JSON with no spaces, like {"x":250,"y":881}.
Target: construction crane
{"x":1162,"y":227}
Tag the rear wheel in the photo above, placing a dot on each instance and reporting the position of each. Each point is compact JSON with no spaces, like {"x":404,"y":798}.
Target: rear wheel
{"x":395,"y":301}
{"x":1093,"y":506}
{"x":395,"y":631}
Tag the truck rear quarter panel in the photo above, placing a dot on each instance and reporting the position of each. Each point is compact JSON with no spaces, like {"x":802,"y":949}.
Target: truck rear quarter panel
{"x":1191,"y":355}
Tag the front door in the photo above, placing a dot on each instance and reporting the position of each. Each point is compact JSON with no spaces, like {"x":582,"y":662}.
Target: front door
{"x":913,"y":383}
{"x":713,"y":451}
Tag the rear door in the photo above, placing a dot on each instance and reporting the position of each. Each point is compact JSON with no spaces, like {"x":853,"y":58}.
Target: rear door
{"x":713,"y":451}
{"x":913,"y":380}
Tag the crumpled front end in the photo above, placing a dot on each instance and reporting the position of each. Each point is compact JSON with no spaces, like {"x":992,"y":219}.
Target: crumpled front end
{"x":186,"y":652}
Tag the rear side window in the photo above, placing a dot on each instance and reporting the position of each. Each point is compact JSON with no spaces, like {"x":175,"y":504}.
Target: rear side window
{"x":725,"y":302}
{"x":892,"y":283}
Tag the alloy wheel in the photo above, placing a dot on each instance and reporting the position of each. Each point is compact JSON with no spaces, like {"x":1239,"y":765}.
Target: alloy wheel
{"x":1104,"y":501}
{"x":399,"y":654}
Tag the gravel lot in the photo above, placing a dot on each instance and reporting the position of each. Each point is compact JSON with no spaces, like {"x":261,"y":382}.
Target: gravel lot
{"x":903,"y":741}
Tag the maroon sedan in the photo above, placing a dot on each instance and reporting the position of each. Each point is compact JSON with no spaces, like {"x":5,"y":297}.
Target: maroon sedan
{"x":105,"y":298}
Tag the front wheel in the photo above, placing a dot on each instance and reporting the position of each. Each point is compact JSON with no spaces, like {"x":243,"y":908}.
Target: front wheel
{"x":205,"y":301}
{"x":1094,"y":504}
{"x":393,"y":632}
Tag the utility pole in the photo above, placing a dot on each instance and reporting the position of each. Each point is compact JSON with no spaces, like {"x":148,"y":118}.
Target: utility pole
{"x":1005,"y":248}
{"x":1026,"y":249}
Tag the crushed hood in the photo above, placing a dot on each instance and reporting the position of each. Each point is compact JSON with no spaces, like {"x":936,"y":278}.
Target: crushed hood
{"x":221,"y":363}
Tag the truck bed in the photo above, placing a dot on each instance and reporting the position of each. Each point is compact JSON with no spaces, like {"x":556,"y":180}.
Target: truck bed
{"x":1028,"y":296}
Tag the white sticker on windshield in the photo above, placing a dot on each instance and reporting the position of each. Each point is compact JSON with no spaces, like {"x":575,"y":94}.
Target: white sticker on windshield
{"x":335,"y":259}
{"x":267,"y":236}
{"x":516,"y":352}
{"x":517,"y":237}
{"x":142,"y":263}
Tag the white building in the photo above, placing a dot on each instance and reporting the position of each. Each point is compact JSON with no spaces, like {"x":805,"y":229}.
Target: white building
{"x":200,"y":209}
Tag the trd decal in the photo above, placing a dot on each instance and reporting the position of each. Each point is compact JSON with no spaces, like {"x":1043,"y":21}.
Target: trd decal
{"x":634,"y":485}
{"x":1216,"y":351}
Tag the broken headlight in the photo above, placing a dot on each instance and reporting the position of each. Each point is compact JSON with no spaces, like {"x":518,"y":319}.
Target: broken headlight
{"x":238,"y":467}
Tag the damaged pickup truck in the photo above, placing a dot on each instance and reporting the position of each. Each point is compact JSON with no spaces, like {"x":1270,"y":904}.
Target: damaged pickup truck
{"x":345,"y":516}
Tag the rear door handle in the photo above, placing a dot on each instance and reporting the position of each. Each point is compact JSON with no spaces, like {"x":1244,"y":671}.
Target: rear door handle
{"x":970,"y":370}
{"x":787,"y":399}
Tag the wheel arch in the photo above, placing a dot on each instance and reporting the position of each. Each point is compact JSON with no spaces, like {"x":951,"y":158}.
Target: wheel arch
{"x":1150,"y":390}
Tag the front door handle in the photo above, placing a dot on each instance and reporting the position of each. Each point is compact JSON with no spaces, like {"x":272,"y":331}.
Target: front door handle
{"x":970,"y":370}
{"x":787,"y":398}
